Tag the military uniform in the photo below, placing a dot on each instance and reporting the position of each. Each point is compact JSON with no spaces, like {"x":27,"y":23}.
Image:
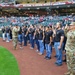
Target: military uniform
{"x":70,"y":51}
{"x":15,"y":36}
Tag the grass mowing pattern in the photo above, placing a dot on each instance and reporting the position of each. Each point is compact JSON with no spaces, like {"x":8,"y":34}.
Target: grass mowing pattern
{"x":8,"y":63}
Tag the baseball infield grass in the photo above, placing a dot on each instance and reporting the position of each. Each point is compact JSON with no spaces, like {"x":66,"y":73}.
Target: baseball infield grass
{"x":8,"y":63}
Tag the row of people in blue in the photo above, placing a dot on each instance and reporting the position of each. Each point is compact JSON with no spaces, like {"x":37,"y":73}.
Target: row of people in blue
{"x":44,"y":37}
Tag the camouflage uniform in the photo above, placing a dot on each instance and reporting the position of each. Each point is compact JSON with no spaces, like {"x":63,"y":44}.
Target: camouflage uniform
{"x":70,"y":51}
{"x":15,"y":36}
{"x":65,"y":32}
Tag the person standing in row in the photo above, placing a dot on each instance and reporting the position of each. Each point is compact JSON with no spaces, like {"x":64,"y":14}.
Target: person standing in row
{"x":41,"y":40}
{"x":70,"y":49}
{"x":20,"y":37}
{"x":15,"y":31}
{"x":37,"y":38}
{"x":8,"y":34}
{"x":66,"y":28}
{"x":58,"y":44}
{"x":31,"y":35}
{"x":3,"y":33}
{"x":25,"y":31}
{"x":48,"y":42}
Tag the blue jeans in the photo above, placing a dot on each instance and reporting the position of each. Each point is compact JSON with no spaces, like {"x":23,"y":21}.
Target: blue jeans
{"x":41,"y":45}
{"x":28,"y":39}
{"x":31,"y":40}
{"x":48,"y":50}
{"x":58,"y":52}
{"x":20,"y":38}
{"x":25,"y":40}
{"x":37,"y":43}
{"x":8,"y":36}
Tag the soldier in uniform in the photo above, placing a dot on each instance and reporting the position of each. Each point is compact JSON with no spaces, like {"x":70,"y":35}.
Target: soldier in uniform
{"x":65,"y":39}
{"x":70,"y":49}
{"x":15,"y":31}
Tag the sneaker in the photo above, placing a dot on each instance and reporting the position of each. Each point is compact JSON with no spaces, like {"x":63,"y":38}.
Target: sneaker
{"x":56,"y":63}
{"x":37,"y":50}
{"x":31,"y":48}
{"x":64,"y":60}
{"x":45,"y":57}
{"x":21,"y":47}
{"x":48,"y":58}
{"x":59,"y":64}
{"x":3,"y":39}
{"x":40,"y":53}
{"x":7,"y":41}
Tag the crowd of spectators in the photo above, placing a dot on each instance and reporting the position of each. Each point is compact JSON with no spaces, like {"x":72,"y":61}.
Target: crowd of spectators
{"x":35,"y":20}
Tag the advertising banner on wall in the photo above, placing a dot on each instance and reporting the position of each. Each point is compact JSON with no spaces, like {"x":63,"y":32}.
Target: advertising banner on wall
{"x":7,"y":3}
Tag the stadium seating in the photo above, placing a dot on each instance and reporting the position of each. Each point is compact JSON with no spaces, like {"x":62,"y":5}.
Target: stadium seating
{"x":47,"y":20}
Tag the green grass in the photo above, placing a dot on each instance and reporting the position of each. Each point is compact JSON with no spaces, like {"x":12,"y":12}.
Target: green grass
{"x":8,"y":63}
